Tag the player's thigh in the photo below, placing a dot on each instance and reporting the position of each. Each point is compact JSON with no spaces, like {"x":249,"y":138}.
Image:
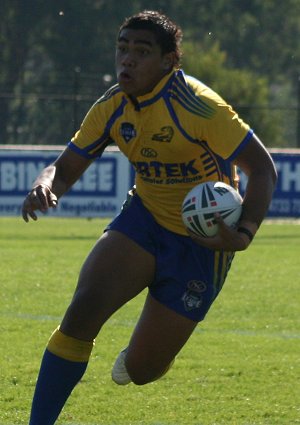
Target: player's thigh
{"x":115,"y":271}
{"x":158,"y":337}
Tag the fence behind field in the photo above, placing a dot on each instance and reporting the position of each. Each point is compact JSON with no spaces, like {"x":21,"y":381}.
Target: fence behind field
{"x":53,"y":112}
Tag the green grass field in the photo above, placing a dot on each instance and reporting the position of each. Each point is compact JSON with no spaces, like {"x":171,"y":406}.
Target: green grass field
{"x":241,"y":366}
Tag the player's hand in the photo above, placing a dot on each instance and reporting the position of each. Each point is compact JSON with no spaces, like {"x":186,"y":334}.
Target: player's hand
{"x":227,"y":238}
{"x":39,"y":198}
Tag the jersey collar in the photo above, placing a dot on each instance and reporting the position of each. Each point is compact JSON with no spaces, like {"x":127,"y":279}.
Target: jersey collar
{"x":156,"y":93}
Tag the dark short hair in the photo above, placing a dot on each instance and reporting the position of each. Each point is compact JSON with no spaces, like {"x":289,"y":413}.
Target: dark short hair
{"x":167,"y":34}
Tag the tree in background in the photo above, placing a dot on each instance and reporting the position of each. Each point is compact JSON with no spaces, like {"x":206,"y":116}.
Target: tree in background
{"x":15,"y":41}
{"x":243,"y":89}
{"x":57,"y":58}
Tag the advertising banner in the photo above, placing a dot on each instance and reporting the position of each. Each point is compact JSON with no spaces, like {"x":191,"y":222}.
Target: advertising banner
{"x":102,"y":189}
{"x":286,"y":198}
{"x":286,"y":201}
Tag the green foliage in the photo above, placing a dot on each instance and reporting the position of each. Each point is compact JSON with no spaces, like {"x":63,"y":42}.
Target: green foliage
{"x":241,"y":366}
{"x":245,"y":90}
{"x":42,"y":43}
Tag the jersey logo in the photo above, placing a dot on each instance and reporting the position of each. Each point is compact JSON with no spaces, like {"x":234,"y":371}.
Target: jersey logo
{"x":166,"y":135}
{"x":193,"y":297}
{"x":149,"y":153}
{"x":127,"y":131}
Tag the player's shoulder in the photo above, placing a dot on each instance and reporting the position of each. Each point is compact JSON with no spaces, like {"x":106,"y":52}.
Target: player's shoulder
{"x":109,"y":102}
{"x":105,"y":106}
{"x":198,"y":88}
{"x":194,"y":96}
{"x":112,"y":94}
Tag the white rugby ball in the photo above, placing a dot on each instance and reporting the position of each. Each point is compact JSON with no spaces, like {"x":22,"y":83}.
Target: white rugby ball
{"x":207,"y":199}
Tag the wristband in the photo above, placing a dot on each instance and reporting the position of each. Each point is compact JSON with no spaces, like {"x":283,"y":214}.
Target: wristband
{"x":246,"y":232}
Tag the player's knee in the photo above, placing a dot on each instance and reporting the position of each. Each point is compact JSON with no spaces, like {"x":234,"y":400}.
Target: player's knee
{"x":134,"y":369}
{"x":140,"y":377}
{"x":144,"y":374}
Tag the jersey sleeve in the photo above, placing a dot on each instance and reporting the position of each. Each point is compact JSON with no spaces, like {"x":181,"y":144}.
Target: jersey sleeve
{"x":93,"y":136}
{"x":225,"y":132}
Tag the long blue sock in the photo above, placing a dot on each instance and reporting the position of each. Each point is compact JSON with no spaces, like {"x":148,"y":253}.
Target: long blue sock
{"x":56,"y":380}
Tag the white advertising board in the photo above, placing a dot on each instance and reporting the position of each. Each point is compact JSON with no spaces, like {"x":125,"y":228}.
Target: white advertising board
{"x":99,"y":192}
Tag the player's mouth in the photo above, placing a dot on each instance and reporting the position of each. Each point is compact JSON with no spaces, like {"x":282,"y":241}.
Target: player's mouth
{"x":124,"y":77}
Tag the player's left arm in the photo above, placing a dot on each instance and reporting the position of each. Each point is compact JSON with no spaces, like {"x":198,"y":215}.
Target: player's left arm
{"x":255,"y":161}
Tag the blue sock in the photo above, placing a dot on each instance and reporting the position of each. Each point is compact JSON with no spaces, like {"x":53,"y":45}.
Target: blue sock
{"x":56,"y":380}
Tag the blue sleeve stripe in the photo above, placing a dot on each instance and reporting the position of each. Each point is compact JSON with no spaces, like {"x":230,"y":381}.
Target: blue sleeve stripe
{"x":196,"y":111}
{"x":117,"y":113}
{"x":175,"y":119}
{"x":242,"y":145}
{"x":79,"y":151}
{"x":188,"y":93}
{"x":96,"y":148}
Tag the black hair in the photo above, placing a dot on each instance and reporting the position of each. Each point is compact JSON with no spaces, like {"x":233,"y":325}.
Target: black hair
{"x":167,"y":34}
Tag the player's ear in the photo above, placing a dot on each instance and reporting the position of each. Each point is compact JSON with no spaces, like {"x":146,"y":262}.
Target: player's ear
{"x":169,"y":60}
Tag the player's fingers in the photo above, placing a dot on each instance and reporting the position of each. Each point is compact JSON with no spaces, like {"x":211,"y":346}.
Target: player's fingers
{"x":52,"y":199}
{"x":36,"y":199}
{"x":230,"y":237}
{"x":196,"y":237}
{"x":219,"y":220}
{"x":223,"y":229}
{"x":32,"y":215}
{"x":40,"y":197}
{"x":25,"y":215}
{"x":227,"y":238}
{"x":27,"y":211}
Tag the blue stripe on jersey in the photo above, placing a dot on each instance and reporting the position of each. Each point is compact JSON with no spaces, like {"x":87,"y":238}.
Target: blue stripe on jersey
{"x":187,"y":98}
{"x":159,"y":94}
{"x":219,"y":271}
{"x":246,"y":140}
{"x":117,"y":113}
{"x":190,"y":92}
{"x":175,"y":119}
{"x":190,"y":138}
{"x":96,"y":148}
{"x":185,"y":106}
{"x":102,"y":142}
{"x":109,"y":93}
{"x":77,"y":150}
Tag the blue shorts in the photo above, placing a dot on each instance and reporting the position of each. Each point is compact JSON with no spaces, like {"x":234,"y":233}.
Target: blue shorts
{"x":188,"y":277}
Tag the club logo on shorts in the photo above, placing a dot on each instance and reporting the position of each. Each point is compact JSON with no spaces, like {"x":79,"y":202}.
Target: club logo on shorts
{"x":127,"y":131}
{"x":192,"y":298}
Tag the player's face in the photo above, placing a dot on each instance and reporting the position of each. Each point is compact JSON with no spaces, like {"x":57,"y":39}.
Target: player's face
{"x":140,"y":64}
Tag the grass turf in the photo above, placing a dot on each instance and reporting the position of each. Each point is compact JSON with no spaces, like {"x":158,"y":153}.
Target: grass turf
{"x":241,"y":366}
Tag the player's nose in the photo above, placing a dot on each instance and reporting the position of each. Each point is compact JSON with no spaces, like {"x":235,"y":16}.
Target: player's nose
{"x":128,"y":60}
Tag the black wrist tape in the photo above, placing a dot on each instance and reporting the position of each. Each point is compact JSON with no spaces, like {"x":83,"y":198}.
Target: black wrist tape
{"x":246,"y":232}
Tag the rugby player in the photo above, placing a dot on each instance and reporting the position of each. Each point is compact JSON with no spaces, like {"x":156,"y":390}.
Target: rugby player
{"x":176,"y":132}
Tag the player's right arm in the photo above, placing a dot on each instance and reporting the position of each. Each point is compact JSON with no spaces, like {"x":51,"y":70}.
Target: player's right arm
{"x":53,"y":182}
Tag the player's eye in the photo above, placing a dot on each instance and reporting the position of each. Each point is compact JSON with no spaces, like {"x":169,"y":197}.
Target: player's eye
{"x":122,"y":48}
{"x":143,"y":52}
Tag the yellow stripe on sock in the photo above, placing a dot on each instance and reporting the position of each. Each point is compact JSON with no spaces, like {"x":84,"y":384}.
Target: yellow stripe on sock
{"x":69,"y":348}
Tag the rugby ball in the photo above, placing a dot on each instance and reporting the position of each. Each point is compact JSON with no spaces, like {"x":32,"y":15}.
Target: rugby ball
{"x":204,"y":201}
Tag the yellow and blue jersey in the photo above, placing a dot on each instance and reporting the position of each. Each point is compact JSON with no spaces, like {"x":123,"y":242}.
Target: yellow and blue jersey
{"x":180,"y":134}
